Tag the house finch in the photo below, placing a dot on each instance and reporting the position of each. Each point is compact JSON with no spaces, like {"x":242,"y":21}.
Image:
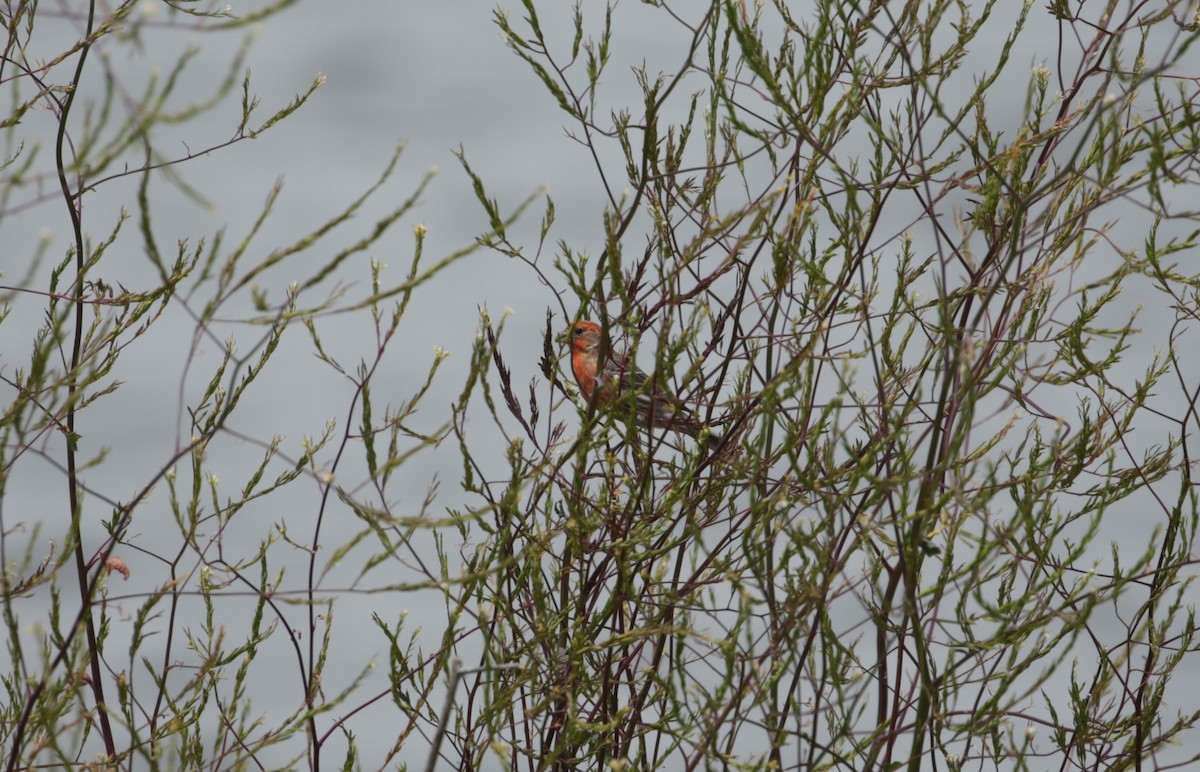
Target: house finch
{"x":605,"y":380}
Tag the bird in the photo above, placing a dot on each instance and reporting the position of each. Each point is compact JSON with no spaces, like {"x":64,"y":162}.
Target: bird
{"x":604,"y":379}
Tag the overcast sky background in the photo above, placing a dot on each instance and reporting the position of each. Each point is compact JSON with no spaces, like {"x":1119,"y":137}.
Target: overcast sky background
{"x":437,"y":76}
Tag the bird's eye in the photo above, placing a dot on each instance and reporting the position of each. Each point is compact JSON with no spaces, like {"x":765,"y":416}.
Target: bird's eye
{"x":577,"y":332}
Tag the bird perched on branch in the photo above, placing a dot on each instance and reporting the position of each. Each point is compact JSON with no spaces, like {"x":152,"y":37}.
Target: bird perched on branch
{"x":606,"y":378}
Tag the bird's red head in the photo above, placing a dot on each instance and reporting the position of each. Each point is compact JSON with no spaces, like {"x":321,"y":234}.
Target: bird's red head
{"x":584,"y":336}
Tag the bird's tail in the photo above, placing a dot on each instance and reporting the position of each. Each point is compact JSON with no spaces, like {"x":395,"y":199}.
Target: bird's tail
{"x":695,"y":429}
{"x":670,"y":414}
